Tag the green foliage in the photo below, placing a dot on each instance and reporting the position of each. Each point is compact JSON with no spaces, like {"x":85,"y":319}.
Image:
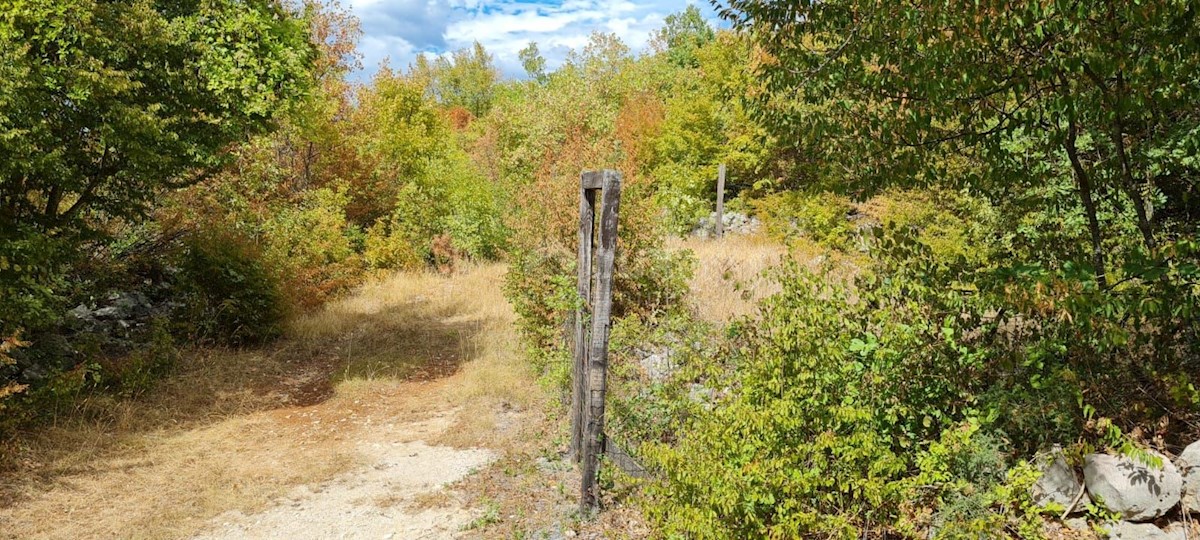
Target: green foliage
{"x":54,"y":396}
{"x":466,"y":79}
{"x":228,"y":294}
{"x":964,"y":476}
{"x":685,"y":194}
{"x":821,"y":217}
{"x":955,"y":227}
{"x":533,"y":62}
{"x":1041,"y":94}
{"x":32,"y":270}
{"x":704,"y":124}
{"x":308,"y":247}
{"x":472,"y":209}
{"x":682,"y":34}
{"x":139,"y":96}
{"x":543,"y":295}
{"x":104,"y":106}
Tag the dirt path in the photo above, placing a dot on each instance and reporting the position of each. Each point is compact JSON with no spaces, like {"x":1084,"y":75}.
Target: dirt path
{"x":370,"y":420}
{"x":398,"y":493}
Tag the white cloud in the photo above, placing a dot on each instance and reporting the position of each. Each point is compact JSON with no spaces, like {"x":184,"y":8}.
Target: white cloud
{"x":400,"y":29}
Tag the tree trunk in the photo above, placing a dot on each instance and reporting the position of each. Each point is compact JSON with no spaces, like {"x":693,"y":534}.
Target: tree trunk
{"x":1084,"y":183}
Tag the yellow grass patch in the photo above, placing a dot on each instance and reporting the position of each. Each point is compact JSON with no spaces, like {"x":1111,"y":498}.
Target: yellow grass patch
{"x":734,"y":272}
{"x":731,"y":275}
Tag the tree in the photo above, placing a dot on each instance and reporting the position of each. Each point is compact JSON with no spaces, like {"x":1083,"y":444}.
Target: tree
{"x":104,"y":104}
{"x":1103,"y":92}
{"x":398,"y":133}
{"x":682,"y":34}
{"x":533,"y":62}
{"x":466,"y":79}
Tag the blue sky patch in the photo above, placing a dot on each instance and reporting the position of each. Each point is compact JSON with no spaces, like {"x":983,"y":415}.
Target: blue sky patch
{"x":397,"y":30}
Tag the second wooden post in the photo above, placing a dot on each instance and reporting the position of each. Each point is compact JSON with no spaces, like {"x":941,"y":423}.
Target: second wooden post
{"x":720,"y":230}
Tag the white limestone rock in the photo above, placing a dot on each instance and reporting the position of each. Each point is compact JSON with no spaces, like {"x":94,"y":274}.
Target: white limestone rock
{"x":1058,"y":483}
{"x":1135,"y":491}
{"x":1125,"y":530}
{"x":1189,"y":467}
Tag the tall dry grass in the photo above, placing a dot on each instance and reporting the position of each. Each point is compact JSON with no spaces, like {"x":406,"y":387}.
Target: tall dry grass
{"x":731,"y":274}
{"x":734,"y":272}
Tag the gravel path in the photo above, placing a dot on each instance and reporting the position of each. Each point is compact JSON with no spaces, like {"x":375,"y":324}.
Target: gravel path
{"x":398,"y":495}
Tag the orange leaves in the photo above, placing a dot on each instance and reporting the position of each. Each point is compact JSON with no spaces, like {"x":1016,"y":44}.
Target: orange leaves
{"x":8,"y":345}
{"x":460,"y":118}
{"x":638,"y":123}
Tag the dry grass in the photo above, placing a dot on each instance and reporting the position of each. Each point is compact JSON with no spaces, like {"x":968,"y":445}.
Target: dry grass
{"x":733,"y":274}
{"x":237,"y":429}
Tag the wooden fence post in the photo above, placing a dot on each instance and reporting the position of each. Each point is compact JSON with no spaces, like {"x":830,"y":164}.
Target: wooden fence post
{"x":587,"y":223}
{"x":595,"y":375}
{"x":721,"y":200}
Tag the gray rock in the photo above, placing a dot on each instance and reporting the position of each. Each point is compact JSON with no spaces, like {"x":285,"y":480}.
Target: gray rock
{"x":1135,"y":491}
{"x":733,"y":222}
{"x":130,"y":301}
{"x":1076,"y":524}
{"x":658,"y":365}
{"x":1125,"y":530}
{"x":698,"y":393}
{"x":1058,"y":483}
{"x":110,"y":312}
{"x":1178,"y":531}
{"x":1189,"y":466}
{"x":80,"y":312}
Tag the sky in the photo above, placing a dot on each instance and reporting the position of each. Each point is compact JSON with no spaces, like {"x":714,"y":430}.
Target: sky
{"x":398,"y":30}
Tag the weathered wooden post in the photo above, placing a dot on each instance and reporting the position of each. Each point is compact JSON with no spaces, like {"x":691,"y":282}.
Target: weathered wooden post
{"x":590,"y":371}
{"x":721,"y":200}
{"x":587,"y":225}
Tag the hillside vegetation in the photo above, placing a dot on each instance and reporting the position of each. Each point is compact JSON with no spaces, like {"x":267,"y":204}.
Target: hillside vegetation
{"x":977,"y":234}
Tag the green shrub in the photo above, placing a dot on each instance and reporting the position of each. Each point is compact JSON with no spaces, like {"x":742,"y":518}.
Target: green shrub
{"x":228,"y":295}
{"x":964,"y":489}
{"x":474,"y":208}
{"x":821,"y":217}
{"x":32,"y":268}
{"x":308,"y":247}
{"x":386,"y":246}
{"x":58,"y":393}
{"x":542,"y":292}
{"x":953,"y":226}
{"x":835,"y":395}
{"x":685,"y":193}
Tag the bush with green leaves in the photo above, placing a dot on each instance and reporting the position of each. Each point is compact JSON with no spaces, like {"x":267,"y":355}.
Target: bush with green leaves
{"x":648,"y":282}
{"x":851,"y":408}
{"x":228,"y":295}
{"x":33,"y":269}
{"x":832,"y":402}
{"x":308,"y":246}
{"x":821,"y":217}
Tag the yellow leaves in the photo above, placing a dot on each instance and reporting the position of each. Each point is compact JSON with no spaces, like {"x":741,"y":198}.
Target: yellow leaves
{"x":11,"y":389}
{"x":8,"y":345}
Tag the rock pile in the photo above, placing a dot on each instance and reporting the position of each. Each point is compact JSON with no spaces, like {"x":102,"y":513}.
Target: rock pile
{"x":734,"y":223}
{"x":1137,"y":492}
